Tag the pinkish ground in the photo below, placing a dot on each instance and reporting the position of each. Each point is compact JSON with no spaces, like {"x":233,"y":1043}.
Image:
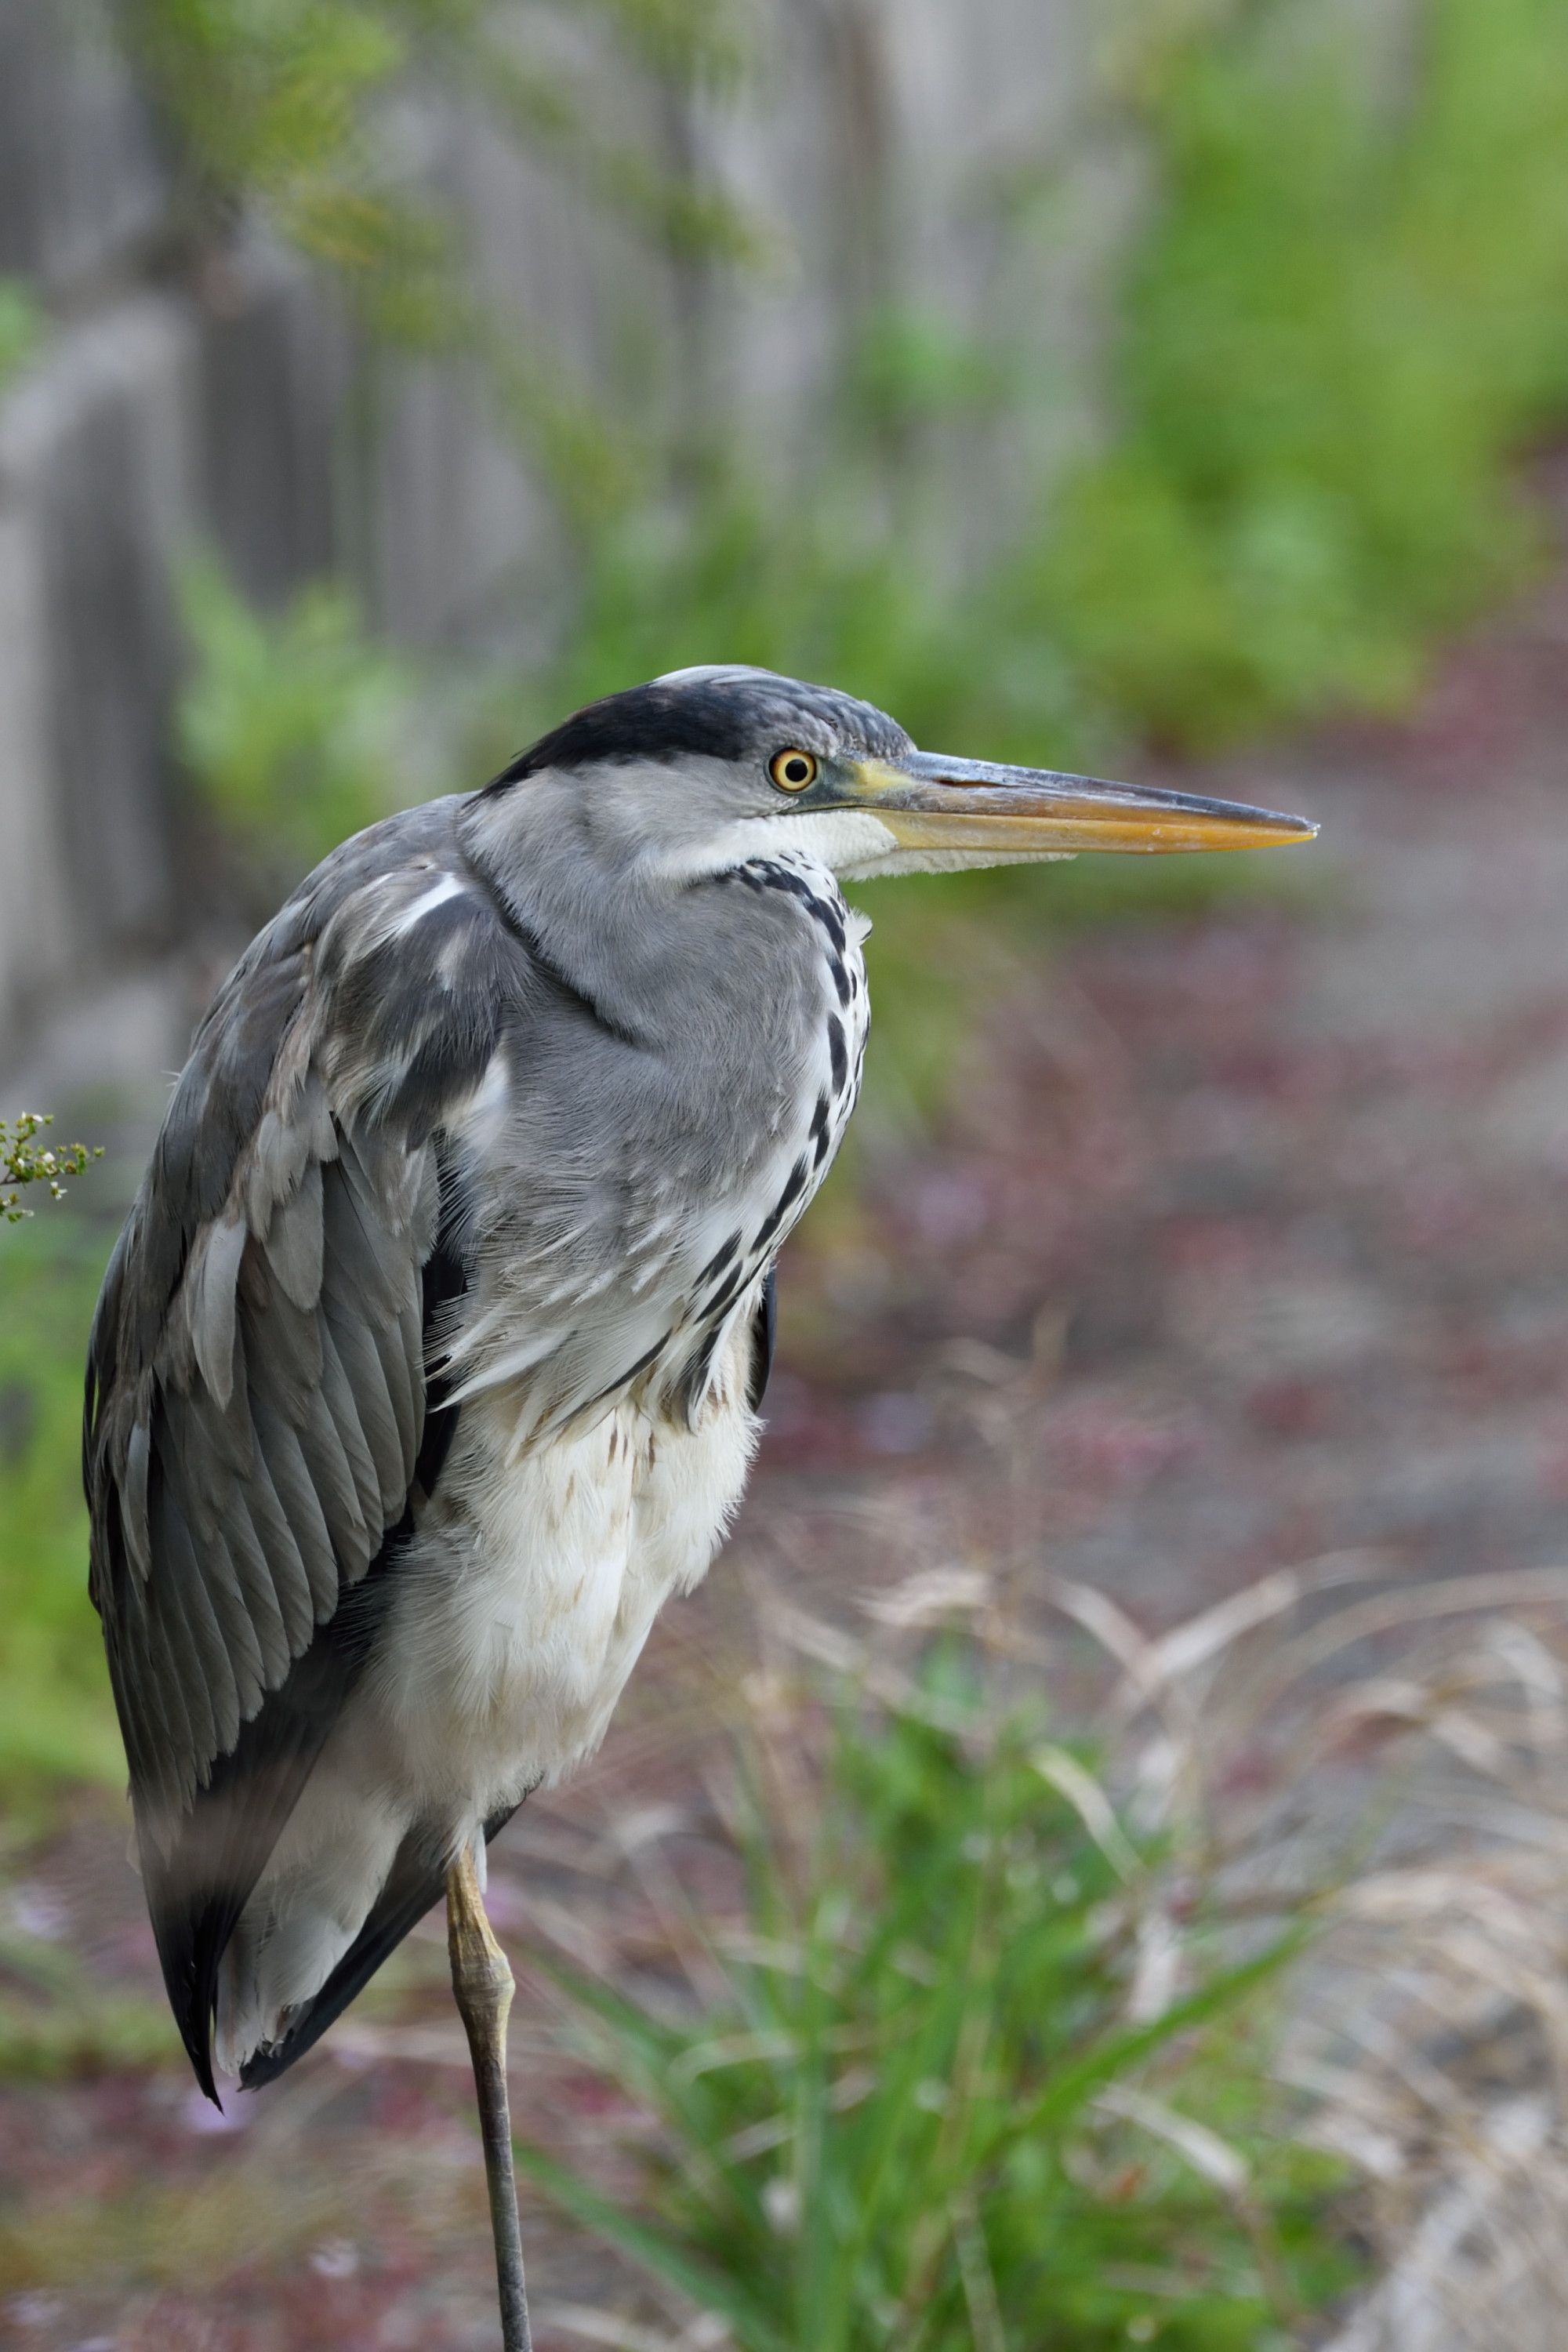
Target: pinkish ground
{"x":1273,"y":1202}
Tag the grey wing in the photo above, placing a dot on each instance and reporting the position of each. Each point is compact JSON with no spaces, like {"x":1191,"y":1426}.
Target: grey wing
{"x":259,"y":1423}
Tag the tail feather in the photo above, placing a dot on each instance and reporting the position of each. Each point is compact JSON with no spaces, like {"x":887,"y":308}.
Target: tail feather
{"x":415,"y":1885}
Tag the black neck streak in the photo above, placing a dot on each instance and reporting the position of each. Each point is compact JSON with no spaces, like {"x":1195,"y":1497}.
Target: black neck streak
{"x":545,"y":963}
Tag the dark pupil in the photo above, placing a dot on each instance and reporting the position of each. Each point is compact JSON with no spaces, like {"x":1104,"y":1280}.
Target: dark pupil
{"x":796,"y":771}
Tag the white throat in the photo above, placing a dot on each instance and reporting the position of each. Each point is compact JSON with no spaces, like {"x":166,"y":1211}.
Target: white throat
{"x":846,"y":841}
{"x":853,"y":843}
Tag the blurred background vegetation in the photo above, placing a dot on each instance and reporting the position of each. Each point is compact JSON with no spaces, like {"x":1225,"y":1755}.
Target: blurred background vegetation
{"x":1282,"y":460}
{"x":1338,"y":316}
{"x":1334,"y":319}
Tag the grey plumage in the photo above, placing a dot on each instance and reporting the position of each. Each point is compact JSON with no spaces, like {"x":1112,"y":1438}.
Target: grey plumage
{"x":469,"y":1192}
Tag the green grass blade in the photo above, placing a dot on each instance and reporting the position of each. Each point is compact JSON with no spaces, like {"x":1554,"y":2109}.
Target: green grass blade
{"x":652,"y":2251}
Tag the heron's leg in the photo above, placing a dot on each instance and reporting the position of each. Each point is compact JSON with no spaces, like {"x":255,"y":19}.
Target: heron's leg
{"x":482,"y":1981}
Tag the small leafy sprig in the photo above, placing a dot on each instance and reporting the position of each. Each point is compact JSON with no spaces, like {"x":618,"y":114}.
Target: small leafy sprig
{"x":24,"y":1160}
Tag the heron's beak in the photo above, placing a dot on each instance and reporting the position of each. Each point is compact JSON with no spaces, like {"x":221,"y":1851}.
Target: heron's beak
{"x":930,"y":802}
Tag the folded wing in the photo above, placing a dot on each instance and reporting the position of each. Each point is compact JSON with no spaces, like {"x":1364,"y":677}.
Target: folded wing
{"x":261,"y":1425}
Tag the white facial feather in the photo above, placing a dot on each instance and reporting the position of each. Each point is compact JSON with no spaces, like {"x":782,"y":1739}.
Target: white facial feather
{"x":944,"y":861}
{"x":853,"y":843}
{"x":840,"y":839}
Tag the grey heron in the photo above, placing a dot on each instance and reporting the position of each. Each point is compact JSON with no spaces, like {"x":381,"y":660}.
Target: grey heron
{"x":427,"y":1365}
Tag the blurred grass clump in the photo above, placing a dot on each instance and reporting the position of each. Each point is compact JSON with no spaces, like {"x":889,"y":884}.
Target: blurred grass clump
{"x":916,"y":2092}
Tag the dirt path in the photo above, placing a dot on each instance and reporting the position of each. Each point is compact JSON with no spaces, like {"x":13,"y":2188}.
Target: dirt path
{"x":1273,"y":1202}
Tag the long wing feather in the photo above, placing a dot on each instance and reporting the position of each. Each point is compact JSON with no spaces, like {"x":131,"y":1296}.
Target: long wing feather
{"x":258,"y":1425}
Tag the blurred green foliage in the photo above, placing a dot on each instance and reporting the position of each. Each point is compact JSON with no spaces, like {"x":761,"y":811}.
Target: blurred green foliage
{"x":58,"y":2019}
{"x":1341,"y":316}
{"x":283,"y":102}
{"x":1345,"y":315}
{"x":21,"y":326}
{"x":56,"y":1720}
{"x":300,"y":728}
{"x":915,"y":2109}
{"x":1349,"y":314}
{"x":291,"y":107}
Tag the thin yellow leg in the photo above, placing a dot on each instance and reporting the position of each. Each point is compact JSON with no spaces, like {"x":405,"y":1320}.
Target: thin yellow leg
{"x":483,"y":1982}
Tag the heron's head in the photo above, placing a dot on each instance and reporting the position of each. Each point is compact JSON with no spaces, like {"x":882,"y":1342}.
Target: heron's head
{"x":704,"y":769}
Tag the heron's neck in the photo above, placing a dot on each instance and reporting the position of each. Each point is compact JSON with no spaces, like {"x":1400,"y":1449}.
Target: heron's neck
{"x":735,"y":973}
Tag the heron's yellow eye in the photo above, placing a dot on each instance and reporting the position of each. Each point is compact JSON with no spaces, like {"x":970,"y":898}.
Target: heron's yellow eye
{"x":793,"y":771}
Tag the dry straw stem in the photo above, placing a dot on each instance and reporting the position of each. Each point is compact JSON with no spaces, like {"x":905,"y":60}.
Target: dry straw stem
{"x":1396,"y":1762}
